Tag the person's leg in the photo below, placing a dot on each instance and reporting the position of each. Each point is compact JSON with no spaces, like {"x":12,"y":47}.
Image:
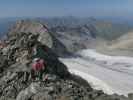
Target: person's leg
{"x":40,"y":74}
{"x":32,"y":74}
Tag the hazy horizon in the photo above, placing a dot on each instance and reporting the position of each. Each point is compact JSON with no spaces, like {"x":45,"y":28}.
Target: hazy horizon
{"x":81,"y":8}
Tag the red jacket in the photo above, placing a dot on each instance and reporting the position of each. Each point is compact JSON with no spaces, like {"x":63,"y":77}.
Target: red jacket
{"x":38,"y":65}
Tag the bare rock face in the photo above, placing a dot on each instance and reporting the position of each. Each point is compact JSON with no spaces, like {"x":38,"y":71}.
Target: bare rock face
{"x":76,"y":38}
{"x":35,"y":28}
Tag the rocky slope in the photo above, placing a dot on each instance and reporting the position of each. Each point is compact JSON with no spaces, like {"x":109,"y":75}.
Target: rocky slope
{"x":16,"y":82}
{"x":45,"y":37}
{"x":15,"y":77}
{"x":76,"y":38}
{"x":121,"y":46}
{"x":124,"y":42}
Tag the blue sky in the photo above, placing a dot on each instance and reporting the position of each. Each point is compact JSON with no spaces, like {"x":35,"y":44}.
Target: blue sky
{"x":38,"y":8}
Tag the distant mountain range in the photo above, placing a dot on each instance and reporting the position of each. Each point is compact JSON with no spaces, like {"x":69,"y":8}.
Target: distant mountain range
{"x":73,"y":32}
{"x":104,"y":25}
{"x":106,"y":29}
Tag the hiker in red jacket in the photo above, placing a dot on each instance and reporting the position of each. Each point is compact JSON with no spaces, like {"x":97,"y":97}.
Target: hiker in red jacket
{"x":38,"y":67}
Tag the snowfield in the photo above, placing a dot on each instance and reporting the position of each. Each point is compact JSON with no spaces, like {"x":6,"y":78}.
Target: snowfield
{"x":101,"y":57}
{"x":112,"y":74}
{"x":94,"y":82}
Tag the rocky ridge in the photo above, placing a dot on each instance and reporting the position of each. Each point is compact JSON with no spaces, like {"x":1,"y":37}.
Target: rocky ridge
{"x":45,"y":37}
{"x":15,"y":77}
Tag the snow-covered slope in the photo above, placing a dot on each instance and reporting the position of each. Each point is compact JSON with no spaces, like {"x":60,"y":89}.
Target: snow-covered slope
{"x":101,"y":57}
{"x":94,"y":82}
{"x":112,"y":74}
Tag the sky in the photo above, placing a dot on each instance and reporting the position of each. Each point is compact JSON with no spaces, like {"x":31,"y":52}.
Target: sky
{"x":83,"y":8}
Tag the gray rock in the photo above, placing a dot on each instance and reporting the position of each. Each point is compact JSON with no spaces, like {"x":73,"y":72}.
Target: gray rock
{"x":28,"y":92}
{"x":130,"y":96}
{"x":42,"y":96}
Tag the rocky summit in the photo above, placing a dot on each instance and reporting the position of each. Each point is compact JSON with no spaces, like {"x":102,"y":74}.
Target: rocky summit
{"x":45,"y":37}
{"x":16,"y":82}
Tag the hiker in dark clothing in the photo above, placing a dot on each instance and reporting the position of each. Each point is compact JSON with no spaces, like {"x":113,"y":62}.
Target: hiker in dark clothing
{"x":39,"y":52}
{"x":38,"y":64}
{"x":44,"y":53}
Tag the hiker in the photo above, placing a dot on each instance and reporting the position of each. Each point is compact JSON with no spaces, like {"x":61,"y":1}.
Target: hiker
{"x":39,"y":52}
{"x":38,"y":67}
{"x":39,"y":58}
